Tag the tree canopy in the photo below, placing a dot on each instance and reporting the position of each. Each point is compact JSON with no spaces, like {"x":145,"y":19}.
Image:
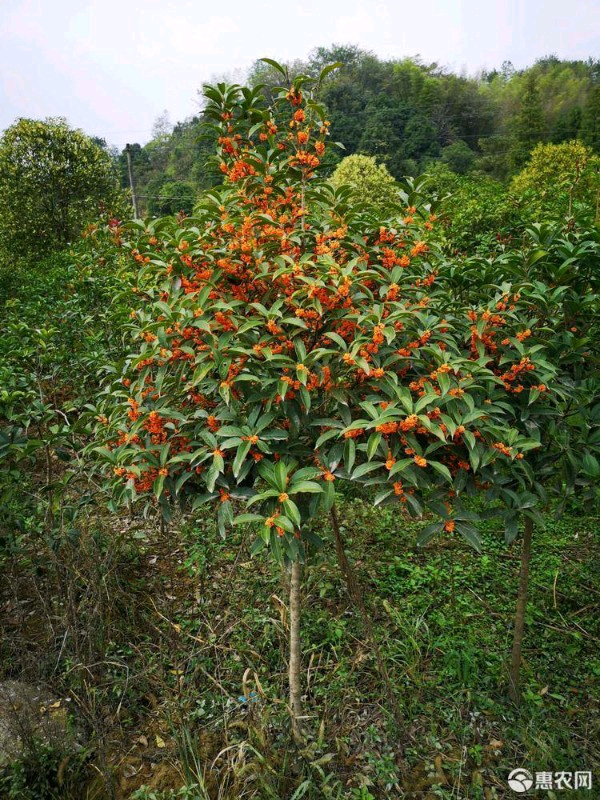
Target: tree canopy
{"x":371,"y":181}
{"x":53,"y":181}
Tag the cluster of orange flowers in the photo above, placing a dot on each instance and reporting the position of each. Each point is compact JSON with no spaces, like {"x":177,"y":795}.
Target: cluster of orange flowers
{"x":510,"y":377}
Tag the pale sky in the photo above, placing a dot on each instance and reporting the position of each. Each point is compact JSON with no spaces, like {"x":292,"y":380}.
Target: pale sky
{"x":112,"y":66}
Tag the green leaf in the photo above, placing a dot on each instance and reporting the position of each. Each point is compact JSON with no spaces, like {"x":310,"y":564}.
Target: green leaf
{"x":329,"y":496}
{"x":275,"y":544}
{"x":211,"y":477}
{"x":335,"y":337}
{"x":305,"y":474}
{"x":276,"y":65}
{"x":243,"y":519}
{"x":349,"y":454}
{"x":381,"y":496}
{"x":324,"y":437}
{"x":224,"y":517}
{"x":230,"y":430}
{"x":442,"y":469}
{"x":469,"y":534}
{"x":591,"y":467}
{"x":511,"y":527}
{"x":185,"y":476}
{"x":291,"y":510}
{"x":305,"y":396}
{"x":364,"y":469}
{"x":475,"y":458}
{"x":534,"y":256}
{"x":203,"y":498}
{"x":257,"y":545}
{"x":285,"y":523}
{"x":281,"y":476}
{"x":305,"y":486}
{"x":399,"y":466}
{"x":427,"y":400}
{"x":444,"y":382}
{"x":373,"y":444}
{"x":225,"y":392}
{"x":282,"y":389}
{"x":428,"y":533}
{"x":258,"y":498}
{"x":240,"y":456}
{"x":470,"y":439}
{"x":159,"y":483}
{"x":329,"y":68}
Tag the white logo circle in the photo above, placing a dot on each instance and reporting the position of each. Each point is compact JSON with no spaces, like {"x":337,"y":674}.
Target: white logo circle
{"x":520,"y":780}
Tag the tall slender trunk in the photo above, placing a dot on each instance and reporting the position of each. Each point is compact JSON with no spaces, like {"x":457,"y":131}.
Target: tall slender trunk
{"x":515,"y":662}
{"x":356,"y":595}
{"x":295,"y":663}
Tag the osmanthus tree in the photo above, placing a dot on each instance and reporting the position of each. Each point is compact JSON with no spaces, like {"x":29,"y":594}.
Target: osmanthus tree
{"x":555,"y":276}
{"x":288,"y":341}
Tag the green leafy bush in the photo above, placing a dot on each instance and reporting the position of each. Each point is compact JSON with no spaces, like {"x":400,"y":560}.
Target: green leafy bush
{"x":560,"y":181}
{"x":54,"y":181}
{"x":371,"y":182}
{"x":478,"y":214}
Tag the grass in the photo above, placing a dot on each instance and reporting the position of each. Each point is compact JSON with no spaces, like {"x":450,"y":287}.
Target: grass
{"x":184,"y":684}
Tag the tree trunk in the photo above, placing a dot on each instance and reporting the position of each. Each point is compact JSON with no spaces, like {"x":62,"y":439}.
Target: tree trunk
{"x":515,"y":662}
{"x":356,"y":595}
{"x":295,"y":664}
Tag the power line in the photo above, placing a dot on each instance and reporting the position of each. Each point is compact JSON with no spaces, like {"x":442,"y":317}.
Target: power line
{"x":460,"y":138}
{"x":426,"y":116}
{"x":162,"y":197}
{"x":547,"y":132}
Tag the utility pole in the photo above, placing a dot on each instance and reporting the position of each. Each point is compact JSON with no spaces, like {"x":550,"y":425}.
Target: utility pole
{"x":131,"y":182}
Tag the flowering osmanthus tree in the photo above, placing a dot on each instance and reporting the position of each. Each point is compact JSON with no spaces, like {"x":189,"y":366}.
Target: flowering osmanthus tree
{"x":559,"y":282}
{"x":287,"y":343}
{"x":555,"y":276}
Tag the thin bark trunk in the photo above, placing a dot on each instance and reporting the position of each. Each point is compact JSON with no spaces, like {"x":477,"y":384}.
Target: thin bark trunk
{"x":295,"y":664}
{"x":515,"y":662}
{"x":356,"y":595}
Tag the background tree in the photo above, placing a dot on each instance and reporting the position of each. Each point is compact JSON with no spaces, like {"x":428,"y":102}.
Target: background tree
{"x":529,"y":123}
{"x":459,"y":157}
{"x":590,"y":122}
{"x":372,"y":181}
{"x":162,"y":127}
{"x":53,"y":181}
{"x":406,"y":113}
{"x":557,"y":178}
{"x":171,"y":198}
{"x":382,"y":135}
{"x":478,"y":214}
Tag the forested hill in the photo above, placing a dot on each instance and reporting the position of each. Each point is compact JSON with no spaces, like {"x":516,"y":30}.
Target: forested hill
{"x":407,"y":114}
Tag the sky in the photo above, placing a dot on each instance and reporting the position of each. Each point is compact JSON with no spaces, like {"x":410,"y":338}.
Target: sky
{"x":111,"y":67}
